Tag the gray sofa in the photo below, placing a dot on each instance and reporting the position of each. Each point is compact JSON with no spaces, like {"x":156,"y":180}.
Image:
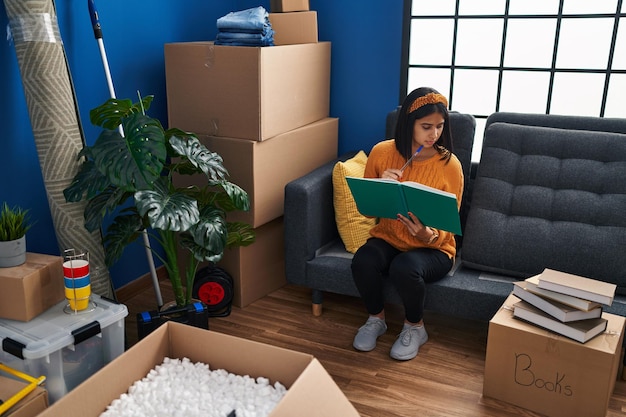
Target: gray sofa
{"x":549,"y":192}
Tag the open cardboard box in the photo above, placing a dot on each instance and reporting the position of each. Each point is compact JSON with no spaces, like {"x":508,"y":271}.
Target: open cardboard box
{"x":311,"y":390}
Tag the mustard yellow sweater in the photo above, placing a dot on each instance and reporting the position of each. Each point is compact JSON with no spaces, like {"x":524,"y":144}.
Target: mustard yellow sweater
{"x":432,"y":172}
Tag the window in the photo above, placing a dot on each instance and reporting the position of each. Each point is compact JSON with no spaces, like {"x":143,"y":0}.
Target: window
{"x":531,"y":56}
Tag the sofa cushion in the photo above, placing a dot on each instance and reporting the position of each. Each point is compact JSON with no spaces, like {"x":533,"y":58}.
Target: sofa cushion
{"x":353,"y":227}
{"x":549,"y":198}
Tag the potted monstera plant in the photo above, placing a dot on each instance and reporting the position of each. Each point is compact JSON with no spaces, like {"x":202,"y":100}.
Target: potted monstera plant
{"x":129,"y":173}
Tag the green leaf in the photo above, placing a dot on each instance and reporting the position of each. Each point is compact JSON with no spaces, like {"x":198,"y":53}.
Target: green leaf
{"x":14,"y":222}
{"x":207,"y":239}
{"x":238,"y":195}
{"x":97,"y":207}
{"x":167,"y":210}
{"x":110,"y":114}
{"x":88,"y":182}
{"x":123,"y":231}
{"x":208,"y":162}
{"x":240,"y":234}
{"x":135,"y":161}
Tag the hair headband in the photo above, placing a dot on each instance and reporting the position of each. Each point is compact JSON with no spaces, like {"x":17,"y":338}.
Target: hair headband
{"x":430,"y":98}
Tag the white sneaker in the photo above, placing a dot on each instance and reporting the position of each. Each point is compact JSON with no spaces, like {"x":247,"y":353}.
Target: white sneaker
{"x":365,"y":339}
{"x":408,"y":342}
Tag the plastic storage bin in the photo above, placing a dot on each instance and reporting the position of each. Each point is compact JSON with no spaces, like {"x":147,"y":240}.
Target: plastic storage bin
{"x":65,"y":347}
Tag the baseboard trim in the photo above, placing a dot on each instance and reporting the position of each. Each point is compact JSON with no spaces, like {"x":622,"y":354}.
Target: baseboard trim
{"x":139,"y":285}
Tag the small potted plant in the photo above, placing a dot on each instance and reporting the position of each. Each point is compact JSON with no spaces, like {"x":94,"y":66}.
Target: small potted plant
{"x":14,"y":223}
{"x":128,"y":173}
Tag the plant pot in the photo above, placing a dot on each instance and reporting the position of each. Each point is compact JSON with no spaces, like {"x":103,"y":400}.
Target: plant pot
{"x":13,"y":252}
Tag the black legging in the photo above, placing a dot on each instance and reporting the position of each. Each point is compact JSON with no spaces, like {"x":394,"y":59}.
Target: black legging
{"x":409,"y":272}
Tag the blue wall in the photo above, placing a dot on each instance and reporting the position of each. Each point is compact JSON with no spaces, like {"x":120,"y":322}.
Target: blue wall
{"x":366,"y":37}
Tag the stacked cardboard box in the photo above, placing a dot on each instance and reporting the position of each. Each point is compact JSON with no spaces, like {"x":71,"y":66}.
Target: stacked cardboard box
{"x":265,"y":110}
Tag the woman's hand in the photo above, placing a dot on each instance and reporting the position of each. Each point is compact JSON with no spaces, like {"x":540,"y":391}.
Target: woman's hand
{"x":415,"y":227}
{"x":391,"y":174}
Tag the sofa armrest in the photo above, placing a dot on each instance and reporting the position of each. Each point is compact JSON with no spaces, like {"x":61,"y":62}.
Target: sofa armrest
{"x":309,"y":218}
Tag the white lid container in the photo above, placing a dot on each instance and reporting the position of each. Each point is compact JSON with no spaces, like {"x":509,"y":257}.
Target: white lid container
{"x":66,"y":347}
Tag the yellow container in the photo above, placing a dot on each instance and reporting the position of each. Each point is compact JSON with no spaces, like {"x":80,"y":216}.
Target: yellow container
{"x":78,"y":297}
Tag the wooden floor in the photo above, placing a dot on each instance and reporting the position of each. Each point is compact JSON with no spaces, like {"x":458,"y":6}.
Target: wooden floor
{"x":445,"y":379}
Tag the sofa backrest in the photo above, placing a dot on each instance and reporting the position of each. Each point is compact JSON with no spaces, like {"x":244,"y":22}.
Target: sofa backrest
{"x":550,"y":192}
{"x":463,"y":128}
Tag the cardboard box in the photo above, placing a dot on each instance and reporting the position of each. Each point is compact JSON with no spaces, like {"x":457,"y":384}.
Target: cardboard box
{"x":31,"y":405}
{"x":244,"y":92}
{"x":31,"y":288}
{"x":258,"y":269}
{"x":64,"y":346}
{"x":551,"y":374}
{"x":311,"y":390}
{"x":294,"y":28}
{"x":264,"y":168}
{"x":289,"y":5}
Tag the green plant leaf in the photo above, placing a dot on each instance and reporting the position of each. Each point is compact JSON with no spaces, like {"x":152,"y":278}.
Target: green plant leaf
{"x":167,"y":210}
{"x":97,"y":207}
{"x":240,"y":234}
{"x":211,"y":230}
{"x":110,"y":114}
{"x":124,"y":230}
{"x":135,"y":161}
{"x":88,"y":182}
{"x":208,"y":162}
{"x":14,"y":222}
{"x":238,"y":196}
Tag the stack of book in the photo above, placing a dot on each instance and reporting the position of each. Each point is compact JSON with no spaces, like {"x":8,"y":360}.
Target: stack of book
{"x":567,"y":304}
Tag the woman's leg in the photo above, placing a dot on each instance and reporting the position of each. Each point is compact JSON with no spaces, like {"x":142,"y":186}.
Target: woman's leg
{"x":370,"y":266}
{"x":410,"y":271}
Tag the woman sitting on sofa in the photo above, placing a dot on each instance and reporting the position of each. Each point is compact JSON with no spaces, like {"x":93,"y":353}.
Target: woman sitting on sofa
{"x":403,"y":250}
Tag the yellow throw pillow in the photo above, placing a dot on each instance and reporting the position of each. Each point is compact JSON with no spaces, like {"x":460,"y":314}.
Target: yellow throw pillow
{"x":353,"y":226}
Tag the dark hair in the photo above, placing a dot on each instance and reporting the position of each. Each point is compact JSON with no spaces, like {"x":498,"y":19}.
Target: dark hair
{"x":406,"y":120}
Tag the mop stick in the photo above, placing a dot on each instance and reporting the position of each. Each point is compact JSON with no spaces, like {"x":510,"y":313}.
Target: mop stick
{"x":97,"y":31}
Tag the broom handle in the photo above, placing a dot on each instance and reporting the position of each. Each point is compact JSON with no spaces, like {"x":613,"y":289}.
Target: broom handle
{"x":97,"y":31}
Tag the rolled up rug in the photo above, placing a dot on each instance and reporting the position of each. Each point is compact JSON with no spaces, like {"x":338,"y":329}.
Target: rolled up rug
{"x":54,"y":119}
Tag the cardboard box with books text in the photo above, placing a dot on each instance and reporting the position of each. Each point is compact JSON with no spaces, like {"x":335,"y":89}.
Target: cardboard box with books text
{"x":311,"y":390}
{"x":550,"y":374}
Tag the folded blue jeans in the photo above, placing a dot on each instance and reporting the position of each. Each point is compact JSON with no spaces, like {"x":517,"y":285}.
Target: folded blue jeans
{"x":254,"y":20}
{"x":245,"y":37}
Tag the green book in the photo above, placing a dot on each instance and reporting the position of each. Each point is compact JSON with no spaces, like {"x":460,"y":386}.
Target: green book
{"x":376,"y":197}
